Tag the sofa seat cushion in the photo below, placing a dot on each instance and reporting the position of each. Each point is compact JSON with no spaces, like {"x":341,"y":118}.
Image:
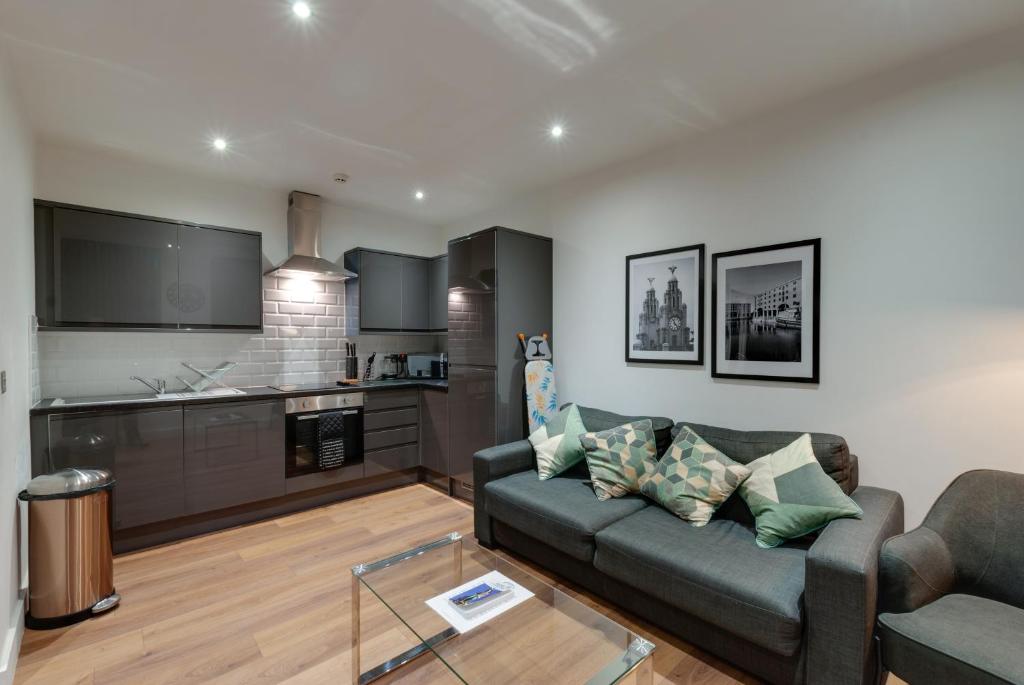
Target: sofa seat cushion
{"x":956,"y":639}
{"x":562,"y":512}
{"x":716,"y":573}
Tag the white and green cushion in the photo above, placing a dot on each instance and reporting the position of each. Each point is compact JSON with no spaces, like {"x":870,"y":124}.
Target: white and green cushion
{"x":790,"y":494}
{"x":621,"y":459}
{"x":693,"y":478}
{"x":557,"y":442}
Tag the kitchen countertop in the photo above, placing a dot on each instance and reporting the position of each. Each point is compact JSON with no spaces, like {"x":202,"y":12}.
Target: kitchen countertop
{"x":147,"y":400}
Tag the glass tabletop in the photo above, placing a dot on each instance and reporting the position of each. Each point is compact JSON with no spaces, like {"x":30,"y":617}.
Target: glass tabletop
{"x":548,"y":638}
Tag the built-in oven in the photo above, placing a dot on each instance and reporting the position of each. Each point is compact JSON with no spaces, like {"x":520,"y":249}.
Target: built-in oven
{"x":323,"y":432}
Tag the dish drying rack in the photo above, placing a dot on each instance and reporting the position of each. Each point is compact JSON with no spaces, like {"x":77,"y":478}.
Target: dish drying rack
{"x":208,"y":377}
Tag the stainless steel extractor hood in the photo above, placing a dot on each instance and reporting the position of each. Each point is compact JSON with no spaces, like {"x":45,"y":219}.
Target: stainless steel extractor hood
{"x":304,"y":260}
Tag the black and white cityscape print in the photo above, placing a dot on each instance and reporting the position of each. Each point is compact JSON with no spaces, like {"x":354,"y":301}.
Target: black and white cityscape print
{"x":763,"y":312}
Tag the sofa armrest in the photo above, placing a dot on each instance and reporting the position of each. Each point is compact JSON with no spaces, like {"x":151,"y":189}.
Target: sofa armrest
{"x":841,"y":590}
{"x":914,"y":569}
{"x":491,"y":464}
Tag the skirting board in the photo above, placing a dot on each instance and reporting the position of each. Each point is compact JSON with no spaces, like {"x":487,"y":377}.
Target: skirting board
{"x":12,"y":642}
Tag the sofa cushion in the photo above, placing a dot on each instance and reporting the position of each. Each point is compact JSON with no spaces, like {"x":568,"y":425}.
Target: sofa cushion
{"x":790,"y":495}
{"x":715,"y":573}
{"x":562,"y":512}
{"x":831,"y":451}
{"x":693,"y":479}
{"x":557,"y":442}
{"x":620,"y":459}
{"x":956,"y":639}
{"x":597,"y":420}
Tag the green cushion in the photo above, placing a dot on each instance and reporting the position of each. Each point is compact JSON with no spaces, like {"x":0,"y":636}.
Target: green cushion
{"x":557,"y":443}
{"x":620,"y":459}
{"x":693,"y":478}
{"x":790,"y":494}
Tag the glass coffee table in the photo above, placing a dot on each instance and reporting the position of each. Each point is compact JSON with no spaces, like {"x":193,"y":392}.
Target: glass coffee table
{"x":548,"y":638}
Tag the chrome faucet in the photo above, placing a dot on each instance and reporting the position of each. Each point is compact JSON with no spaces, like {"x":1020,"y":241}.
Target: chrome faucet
{"x":159,"y":388}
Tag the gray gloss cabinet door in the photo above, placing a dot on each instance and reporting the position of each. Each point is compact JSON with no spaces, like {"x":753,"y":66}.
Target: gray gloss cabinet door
{"x":438,"y":305}
{"x":148,"y":468}
{"x":111,"y":270}
{"x":380,"y":288}
{"x":434,"y":431}
{"x":234,"y":454}
{"x":141,"y":448}
{"x":415,"y":294}
{"x":471,"y":407}
{"x":220,"y":278}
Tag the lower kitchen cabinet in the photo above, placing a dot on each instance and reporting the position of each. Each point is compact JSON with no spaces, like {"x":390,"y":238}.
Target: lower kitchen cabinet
{"x":142,"y":448}
{"x":391,"y":432}
{"x":234,"y":454}
{"x":147,"y":465}
{"x":434,"y":431}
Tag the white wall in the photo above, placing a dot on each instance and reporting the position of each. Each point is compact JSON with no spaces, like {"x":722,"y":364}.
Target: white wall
{"x":913,"y":180}
{"x":302,"y":340}
{"x":16,"y":307}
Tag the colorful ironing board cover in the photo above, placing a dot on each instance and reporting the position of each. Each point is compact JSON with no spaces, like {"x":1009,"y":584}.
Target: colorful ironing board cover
{"x":541,"y":394}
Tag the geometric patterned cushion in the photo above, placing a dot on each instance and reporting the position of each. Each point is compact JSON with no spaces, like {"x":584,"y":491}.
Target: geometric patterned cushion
{"x":557,"y":442}
{"x":693,"y":478}
{"x":790,"y":494}
{"x":621,"y":459}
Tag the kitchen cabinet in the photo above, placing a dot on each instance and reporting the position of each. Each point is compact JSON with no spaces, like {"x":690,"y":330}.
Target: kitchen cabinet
{"x":415,"y":294}
{"x":434,"y":431}
{"x":391,"y":294}
{"x":143,"y":449}
{"x":108,"y":271}
{"x":472,"y":392}
{"x":233,"y":454}
{"x":380,"y":289}
{"x":100,"y":269}
{"x":219,"y":278}
{"x":390,"y":431}
{"x":437,"y":306}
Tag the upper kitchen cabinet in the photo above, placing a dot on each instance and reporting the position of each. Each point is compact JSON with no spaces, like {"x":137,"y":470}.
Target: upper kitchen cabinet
{"x":438,"y":306}
{"x":104,"y":270}
{"x":219,"y":278}
{"x":393,"y":293}
{"x":100,"y":269}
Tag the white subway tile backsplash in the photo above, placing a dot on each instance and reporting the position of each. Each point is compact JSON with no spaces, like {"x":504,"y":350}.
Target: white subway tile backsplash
{"x":304,"y":328}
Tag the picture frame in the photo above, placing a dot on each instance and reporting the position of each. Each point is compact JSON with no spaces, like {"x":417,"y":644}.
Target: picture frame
{"x":766,"y":313}
{"x":665,"y":327}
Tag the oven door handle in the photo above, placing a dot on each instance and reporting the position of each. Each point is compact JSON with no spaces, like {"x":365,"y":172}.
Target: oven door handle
{"x":307,"y":417}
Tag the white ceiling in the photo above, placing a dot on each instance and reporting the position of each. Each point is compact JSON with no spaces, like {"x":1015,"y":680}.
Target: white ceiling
{"x":452,"y":96}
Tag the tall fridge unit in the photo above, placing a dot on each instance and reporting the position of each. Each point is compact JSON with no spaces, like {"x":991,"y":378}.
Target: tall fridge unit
{"x":499,"y":284}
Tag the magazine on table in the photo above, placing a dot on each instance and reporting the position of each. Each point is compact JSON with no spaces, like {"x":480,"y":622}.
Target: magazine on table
{"x":474,"y":603}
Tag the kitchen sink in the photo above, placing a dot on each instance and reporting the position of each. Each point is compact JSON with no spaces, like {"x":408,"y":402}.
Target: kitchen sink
{"x":192,"y":394}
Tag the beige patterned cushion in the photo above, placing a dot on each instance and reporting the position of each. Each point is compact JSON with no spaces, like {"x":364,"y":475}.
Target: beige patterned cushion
{"x":620,"y":459}
{"x":693,"y":478}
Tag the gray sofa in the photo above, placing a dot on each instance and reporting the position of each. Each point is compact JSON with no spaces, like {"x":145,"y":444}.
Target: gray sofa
{"x":952,"y":590}
{"x":800,"y":613}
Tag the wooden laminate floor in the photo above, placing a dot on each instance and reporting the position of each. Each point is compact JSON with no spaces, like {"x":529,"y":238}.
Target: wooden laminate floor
{"x":270,"y":603}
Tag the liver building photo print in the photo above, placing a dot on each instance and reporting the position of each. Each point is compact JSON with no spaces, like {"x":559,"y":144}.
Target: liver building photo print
{"x":664,"y":306}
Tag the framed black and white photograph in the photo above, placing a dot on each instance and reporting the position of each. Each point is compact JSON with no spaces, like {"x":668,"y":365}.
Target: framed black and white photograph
{"x":665,"y":306}
{"x":765,"y":312}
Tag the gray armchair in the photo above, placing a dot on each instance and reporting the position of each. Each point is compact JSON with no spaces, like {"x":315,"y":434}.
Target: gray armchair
{"x":951,"y":592}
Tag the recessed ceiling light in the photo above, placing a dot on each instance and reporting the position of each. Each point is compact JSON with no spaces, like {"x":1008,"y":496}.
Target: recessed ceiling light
{"x":220,"y":144}
{"x":557,"y":131}
{"x":419,"y":195}
{"x":301,"y":10}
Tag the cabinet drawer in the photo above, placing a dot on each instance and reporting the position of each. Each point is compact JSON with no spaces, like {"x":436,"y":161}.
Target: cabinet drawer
{"x":389,"y":460}
{"x":391,"y":418}
{"x":391,"y":399}
{"x":389,"y":438}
